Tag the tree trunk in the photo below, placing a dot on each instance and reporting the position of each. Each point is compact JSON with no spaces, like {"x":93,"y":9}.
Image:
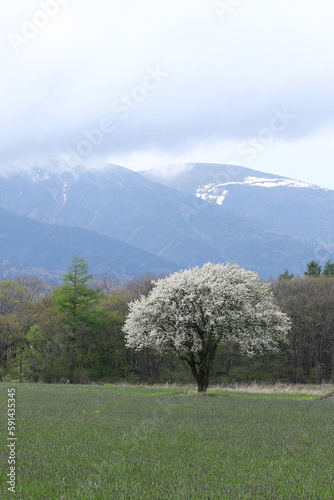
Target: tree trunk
{"x":201,"y":369}
{"x":202,"y":380}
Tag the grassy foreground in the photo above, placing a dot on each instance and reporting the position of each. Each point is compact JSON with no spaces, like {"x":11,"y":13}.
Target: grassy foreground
{"x":125,"y":442}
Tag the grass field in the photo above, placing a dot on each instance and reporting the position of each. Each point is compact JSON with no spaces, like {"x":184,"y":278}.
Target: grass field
{"x":126,"y":442}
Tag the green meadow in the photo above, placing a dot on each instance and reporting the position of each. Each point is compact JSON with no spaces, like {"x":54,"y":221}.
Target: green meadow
{"x":156,"y":442}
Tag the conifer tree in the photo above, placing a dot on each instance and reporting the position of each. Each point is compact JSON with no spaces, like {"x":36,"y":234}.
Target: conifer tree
{"x":328,"y":268}
{"x":286,"y":275}
{"x":78,"y":301}
{"x":313,"y":268}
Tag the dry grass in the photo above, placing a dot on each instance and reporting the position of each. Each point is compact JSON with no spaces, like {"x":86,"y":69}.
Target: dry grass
{"x":254,"y":387}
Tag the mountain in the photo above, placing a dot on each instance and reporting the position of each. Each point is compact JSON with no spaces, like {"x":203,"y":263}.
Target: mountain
{"x":178,"y":226}
{"x":35,"y":248}
{"x":285,"y":205}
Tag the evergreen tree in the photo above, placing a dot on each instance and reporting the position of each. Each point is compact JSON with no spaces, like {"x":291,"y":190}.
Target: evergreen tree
{"x":78,"y":301}
{"x":286,"y":275}
{"x":313,"y":269}
{"x":328,"y":268}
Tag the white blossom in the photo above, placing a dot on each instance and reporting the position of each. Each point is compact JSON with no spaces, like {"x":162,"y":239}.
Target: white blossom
{"x":194,"y":311}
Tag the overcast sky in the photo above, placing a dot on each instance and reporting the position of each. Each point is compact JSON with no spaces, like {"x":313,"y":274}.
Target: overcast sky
{"x":143,"y":83}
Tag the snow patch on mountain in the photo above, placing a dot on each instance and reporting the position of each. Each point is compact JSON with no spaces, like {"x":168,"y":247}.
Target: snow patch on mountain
{"x":216,"y":193}
{"x":212,"y":193}
{"x":265,"y":182}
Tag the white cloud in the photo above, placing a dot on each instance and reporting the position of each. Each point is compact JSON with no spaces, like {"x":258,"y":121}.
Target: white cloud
{"x":225,"y":79}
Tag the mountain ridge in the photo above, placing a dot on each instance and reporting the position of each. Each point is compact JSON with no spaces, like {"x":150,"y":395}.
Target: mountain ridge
{"x":178,"y":226}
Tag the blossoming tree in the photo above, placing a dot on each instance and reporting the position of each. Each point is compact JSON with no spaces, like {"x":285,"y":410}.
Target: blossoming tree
{"x":192,"y":312}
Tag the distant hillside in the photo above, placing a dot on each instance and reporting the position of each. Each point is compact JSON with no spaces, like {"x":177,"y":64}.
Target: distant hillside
{"x":34,"y":248}
{"x":286,"y":205}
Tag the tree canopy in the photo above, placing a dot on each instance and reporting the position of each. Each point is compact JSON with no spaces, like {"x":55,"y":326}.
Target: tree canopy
{"x":40,"y":341}
{"x":192,"y":312}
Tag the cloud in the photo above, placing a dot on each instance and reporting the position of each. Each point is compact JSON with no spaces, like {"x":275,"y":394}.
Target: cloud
{"x":225,"y":76}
